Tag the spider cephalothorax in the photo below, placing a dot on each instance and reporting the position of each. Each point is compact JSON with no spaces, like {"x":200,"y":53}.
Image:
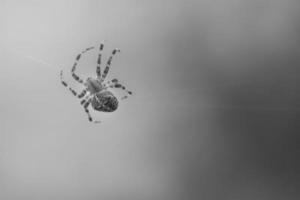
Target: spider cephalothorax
{"x":96,"y":90}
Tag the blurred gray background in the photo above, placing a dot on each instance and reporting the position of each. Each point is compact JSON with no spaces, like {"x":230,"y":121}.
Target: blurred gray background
{"x":215,"y":112}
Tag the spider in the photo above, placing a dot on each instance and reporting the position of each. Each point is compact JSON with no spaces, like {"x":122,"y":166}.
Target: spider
{"x":96,"y":92}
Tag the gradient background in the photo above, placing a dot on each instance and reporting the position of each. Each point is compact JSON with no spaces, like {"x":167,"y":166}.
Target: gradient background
{"x":215,"y":112}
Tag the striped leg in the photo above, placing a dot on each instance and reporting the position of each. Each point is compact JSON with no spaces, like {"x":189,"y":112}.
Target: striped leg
{"x":105,"y":72}
{"x":86,"y":99}
{"x":86,"y":105}
{"x":118,"y":85}
{"x":82,"y":93}
{"x":98,"y":70}
{"x":115,"y":84}
{"x":75,"y":76}
{"x":72,"y":90}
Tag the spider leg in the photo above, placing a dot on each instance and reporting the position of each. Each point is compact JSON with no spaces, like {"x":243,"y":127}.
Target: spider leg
{"x":71,"y":90}
{"x":85,"y":106}
{"x":75,"y":76}
{"x":85,"y":100}
{"x":82,"y":93}
{"x":114,"y":83}
{"x":105,"y":72}
{"x":98,"y":70}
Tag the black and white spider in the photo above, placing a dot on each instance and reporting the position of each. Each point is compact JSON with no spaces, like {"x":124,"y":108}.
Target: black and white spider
{"x":96,"y":90}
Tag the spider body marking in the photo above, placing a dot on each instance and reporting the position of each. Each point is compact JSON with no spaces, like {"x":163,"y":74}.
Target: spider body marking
{"x":105,"y":101}
{"x":102,"y":100}
{"x":97,"y":90}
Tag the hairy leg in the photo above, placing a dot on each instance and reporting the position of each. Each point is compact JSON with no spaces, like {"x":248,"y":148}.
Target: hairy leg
{"x":72,"y":90}
{"x":82,"y":93}
{"x":98,"y":70}
{"x":75,"y":76}
{"x":105,"y":72}
{"x":85,"y":106}
{"x":114,"y":83}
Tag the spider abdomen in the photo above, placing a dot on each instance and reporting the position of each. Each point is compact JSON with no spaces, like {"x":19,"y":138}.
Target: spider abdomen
{"x":105,"y":101}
